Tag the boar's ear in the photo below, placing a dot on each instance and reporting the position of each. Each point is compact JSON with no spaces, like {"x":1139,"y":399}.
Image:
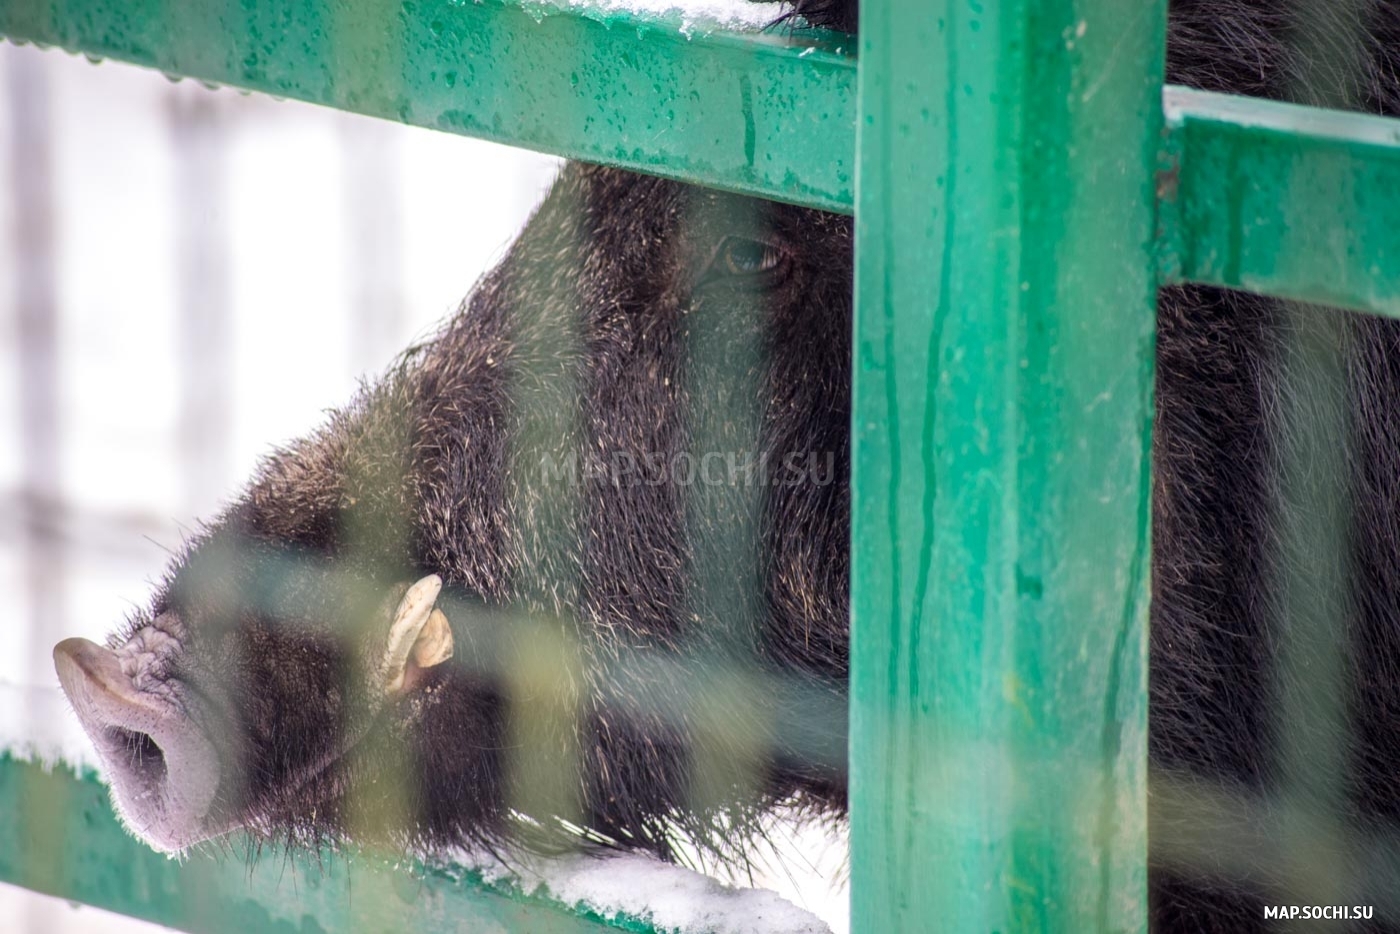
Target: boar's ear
{"x":419,"y":637}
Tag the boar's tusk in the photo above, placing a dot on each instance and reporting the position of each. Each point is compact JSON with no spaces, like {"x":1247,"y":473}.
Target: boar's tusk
{"x":411,"y":627}
{"x":434,"y":645}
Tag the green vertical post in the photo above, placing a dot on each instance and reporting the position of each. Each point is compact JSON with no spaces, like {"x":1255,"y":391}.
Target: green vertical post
{"x":1004,"y":334}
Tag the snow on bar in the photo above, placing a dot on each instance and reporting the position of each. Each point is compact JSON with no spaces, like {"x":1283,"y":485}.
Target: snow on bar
{"x":670,"y":898}
{"x":699,"y":93}
{"x":733,"y":15}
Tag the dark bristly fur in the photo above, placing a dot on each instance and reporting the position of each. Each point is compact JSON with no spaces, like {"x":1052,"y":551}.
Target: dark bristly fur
{"x":603,"y":333}
{"x":1223,"y":420}
{"x":575,"y":346}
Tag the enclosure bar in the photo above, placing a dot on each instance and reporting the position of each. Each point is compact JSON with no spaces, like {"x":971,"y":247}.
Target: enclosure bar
{"x":763,"y":114}
{"x":768,"y":114}
{"x":1005,"y":281}
{"x":1283,"y":200}
{"x":98,"y":863}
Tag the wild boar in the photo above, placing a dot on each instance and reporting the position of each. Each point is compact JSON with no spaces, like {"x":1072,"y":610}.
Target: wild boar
{"x":627,"y":453}
{"x":575,"y":571}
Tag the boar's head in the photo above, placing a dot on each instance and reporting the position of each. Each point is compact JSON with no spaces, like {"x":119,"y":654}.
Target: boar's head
{"x":574,"y":568}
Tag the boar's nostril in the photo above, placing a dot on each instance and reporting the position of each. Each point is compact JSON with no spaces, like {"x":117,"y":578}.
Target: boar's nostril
{"x":144,"y":757}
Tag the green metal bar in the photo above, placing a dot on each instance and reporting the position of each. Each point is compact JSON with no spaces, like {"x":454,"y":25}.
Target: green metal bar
{"x":63,"y":839}
{"x":1283,"y":200}
{"x":1005,"y":282}
{"x":765,"y":115}
{"x":761,"y":114}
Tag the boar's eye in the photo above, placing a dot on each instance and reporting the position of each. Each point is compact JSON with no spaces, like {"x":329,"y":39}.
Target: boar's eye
{"x":754,"y":264}
{"x":744,"y":257}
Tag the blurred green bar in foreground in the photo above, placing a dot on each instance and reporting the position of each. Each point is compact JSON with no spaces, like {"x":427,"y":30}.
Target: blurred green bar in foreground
{"x":61,"y":838}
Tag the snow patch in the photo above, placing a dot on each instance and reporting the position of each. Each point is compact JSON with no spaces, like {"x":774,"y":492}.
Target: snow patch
{"x":670,"y":898}
{"x":805,"y":860}
{"x":739,"y":15}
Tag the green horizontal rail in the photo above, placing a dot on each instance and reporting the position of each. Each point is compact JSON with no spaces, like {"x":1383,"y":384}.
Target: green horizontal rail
{"x":1283,"y":200}
{"x":1250,"y":193}
{"x":62,"y":838}
{"x":766,"y":114}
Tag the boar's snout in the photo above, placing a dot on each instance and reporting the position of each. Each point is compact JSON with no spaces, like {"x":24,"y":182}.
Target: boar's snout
{"x":163,"y":769}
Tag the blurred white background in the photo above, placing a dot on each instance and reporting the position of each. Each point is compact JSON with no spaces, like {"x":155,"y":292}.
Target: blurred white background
{"x":187,"y":277}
